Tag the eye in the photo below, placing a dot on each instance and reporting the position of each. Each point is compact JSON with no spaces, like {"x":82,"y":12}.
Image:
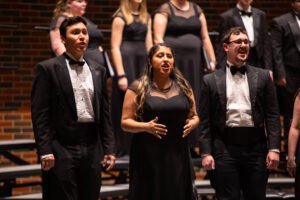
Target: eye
{"x":169,"y":55}
{"x":75,"y":31}
{"x":160,"y":55}
{"x":84,"y":31}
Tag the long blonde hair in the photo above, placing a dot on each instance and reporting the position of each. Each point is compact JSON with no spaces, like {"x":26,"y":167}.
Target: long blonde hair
{"x":61,"y":7}
{"x":127,"y":12}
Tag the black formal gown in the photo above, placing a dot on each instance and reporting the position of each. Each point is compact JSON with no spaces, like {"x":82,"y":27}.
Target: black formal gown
{"x":96,"y":38}
{"x":160,"y":169}
{"x":183,"y":35}
{"x":134,"y":58}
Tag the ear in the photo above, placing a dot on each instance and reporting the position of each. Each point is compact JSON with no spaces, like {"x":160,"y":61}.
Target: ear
{"x":225,"y":47}
{"x":63,"y":39}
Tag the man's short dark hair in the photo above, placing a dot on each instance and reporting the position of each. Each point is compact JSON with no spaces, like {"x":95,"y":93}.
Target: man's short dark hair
{"x":69,"y":22}
{"x":233,"y":31}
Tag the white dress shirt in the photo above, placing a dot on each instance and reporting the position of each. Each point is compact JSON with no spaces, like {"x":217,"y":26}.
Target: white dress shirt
{"x":248,"y":23}
{"x":83,"y":88}
{"x":238,"y":107}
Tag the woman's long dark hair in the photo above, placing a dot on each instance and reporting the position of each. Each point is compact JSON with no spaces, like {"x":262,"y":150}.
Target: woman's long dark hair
{"x":147,"y":77}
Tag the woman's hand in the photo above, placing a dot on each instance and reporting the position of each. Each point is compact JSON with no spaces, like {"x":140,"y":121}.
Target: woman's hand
{"x":188,"y":127}
{"x":123,"y":83}
{"x":156,"y":129}
{"x":291,"y":167}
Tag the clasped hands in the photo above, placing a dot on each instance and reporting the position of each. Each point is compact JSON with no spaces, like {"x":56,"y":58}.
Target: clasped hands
{"x":159,"y":130}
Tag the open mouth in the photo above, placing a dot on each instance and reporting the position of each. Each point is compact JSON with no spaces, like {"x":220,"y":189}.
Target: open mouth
{"x":165,"y":66}
{"x":243,"y":52}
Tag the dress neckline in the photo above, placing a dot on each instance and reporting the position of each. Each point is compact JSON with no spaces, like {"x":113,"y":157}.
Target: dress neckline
{"x":180,"y":9}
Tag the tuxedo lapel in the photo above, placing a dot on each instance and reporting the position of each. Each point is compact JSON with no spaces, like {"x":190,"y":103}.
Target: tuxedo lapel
{"x":256,"y":25}
{"x":96,"y":75}
{"x":295,"y":31}
{"x":237,"y":18}
{"x":220,"y":78}
{"x":64,"y":78}
{"x":252,"y":77}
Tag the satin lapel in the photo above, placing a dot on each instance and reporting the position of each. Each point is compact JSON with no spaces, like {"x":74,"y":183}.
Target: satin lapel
{"x":295,"y":31}
{"x":256,"y":25}
{"x":252,"y":77}
{"x":220,"y":78}
{"x":96,"y":75}
{"x":237,"y":18}
{"x":63,"y":75}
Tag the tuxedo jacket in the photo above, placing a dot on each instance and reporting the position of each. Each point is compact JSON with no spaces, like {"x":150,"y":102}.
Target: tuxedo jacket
{"x":54,"y":114}
{"x":285,"y":37}
{"x":213,"y":102}
{"x":232,"y":18}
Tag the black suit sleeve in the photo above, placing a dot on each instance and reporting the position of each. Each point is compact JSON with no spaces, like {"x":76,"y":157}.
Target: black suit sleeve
{"x":272,"y":116}
{"x":40,"y":110}
{"x":277,"y":47}
{"x":204,"y":114}
{"x":107,"y":136}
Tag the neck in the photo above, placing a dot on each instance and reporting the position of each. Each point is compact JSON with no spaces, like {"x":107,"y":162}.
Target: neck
{"x":179,"y":2}
{"x":182,"y":4}
{"x":237,"y":63}
{"x":162,"y":83}
{"x":244,"y":7}
{"x":134,"y":7}
{"x":77,"y":56}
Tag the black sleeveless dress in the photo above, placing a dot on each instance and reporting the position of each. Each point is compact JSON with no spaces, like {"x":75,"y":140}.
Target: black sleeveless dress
{"x":160,"y":169}
{"x":134,"y":58}
{"x":96,"y":38}
{"x":183,"y":35}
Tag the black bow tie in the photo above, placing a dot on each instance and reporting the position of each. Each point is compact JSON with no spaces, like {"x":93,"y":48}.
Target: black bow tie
{"x":243,"y":13}
{"x":234,"y":69}
{"x":74,"y":62}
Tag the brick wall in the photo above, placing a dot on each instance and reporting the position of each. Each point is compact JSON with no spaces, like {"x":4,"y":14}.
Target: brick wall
{"x":22,"y":46}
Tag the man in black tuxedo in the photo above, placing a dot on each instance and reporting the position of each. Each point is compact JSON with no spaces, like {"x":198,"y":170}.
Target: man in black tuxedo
{"x":70,"y":116}
{"x":240,"y":127}
{"x":255,"y":23}
{"x":285,"y":38}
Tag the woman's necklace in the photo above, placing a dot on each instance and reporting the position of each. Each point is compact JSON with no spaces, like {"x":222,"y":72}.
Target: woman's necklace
{"x":163,"y":90}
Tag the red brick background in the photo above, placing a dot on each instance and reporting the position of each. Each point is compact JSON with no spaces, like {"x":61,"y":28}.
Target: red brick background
{"x":22,"y":45}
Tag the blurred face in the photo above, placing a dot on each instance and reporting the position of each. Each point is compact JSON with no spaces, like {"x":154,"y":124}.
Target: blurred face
{"x":77,"y":7}
{"x":76,"y":40}
{"x":245,"y":3}
{"x":237,"y":49}
{"x":163,"y":61}
{"x":296,"y":6}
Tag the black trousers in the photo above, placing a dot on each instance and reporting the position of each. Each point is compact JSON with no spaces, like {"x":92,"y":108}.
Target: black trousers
{"x":240,"y":169}
{"x":77,"y":171}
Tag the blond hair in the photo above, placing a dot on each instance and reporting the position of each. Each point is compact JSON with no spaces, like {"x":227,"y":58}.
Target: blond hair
{"x":127,"y":11}
{"x":60,"y":7}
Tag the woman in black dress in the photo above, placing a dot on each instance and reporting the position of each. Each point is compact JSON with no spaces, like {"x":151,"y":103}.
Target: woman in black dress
{"x":182,"y":25}
{"x":293,"y":162}
{"x":71,"y":8}
{"x":130,"y":39}
{"x":159,"y":108}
